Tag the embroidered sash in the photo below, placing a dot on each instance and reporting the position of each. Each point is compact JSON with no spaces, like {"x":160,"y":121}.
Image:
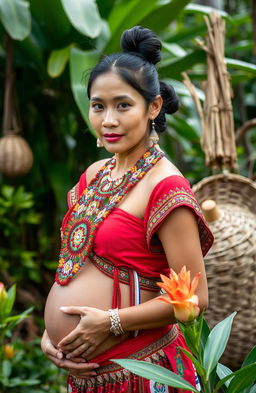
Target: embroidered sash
{"x":96,"y":202}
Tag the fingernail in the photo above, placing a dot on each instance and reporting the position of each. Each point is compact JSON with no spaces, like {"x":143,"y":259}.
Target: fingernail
{"x":67,"y":356}
{"x":93,"y":373}
{"x":59,"y":355}
{"x":63,"y":308}
{"x":96,"y":365}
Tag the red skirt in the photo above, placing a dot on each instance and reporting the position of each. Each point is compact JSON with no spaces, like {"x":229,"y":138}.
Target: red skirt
{"x":157,"y":346}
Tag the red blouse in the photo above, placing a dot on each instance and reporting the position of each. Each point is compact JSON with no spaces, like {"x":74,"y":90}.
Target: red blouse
{"x":131,"y":242}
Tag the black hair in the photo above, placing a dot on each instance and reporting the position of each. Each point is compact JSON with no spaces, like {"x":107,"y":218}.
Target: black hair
{"x":135,"y":65}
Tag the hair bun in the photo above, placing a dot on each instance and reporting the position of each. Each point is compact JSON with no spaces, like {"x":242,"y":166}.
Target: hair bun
{"x":142,"y":42}
{"x":170,"y":98}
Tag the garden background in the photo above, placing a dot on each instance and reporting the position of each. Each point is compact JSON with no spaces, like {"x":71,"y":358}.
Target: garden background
{"x":55,"y":44}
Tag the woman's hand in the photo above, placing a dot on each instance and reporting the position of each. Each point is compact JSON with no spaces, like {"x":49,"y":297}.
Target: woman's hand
{"x":77,"y":366}
{"x":91,"y":331}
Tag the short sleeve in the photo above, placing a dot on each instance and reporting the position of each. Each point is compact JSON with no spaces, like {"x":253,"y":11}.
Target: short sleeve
{"x":169,"y":194}
{"x":75,"y":192}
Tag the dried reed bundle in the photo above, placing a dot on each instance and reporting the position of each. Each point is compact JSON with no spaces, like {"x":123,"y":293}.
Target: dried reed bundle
{"x":218,"y":139}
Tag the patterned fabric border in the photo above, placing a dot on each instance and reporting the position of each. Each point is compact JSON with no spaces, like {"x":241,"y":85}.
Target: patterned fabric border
{"x":73,"y":195}
{"x":113,"y":370}
{"x":107,"y":267}
{"x":176,"y":198}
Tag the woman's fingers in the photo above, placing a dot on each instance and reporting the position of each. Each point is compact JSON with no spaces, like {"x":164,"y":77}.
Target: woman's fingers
{"x":83,"y":348}
{"x":72,"y":340}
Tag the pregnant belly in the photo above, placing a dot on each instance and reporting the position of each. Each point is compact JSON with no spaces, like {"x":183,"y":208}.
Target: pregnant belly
{"x":89,"y":288}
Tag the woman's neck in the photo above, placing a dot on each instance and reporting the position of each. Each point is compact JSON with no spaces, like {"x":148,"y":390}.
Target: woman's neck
{"x":124,"y":161}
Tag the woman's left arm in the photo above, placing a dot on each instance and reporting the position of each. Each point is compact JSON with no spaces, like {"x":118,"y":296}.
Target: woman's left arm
{"x":180,"y":239}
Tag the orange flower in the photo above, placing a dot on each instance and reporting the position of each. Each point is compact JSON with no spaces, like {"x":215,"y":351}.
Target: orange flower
{"x":181,"y":292}
{"x":9,"y":351}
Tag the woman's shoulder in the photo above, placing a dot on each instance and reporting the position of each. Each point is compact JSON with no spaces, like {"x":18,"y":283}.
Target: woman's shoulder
{"x":164,"y":171}
{"x":94,"y":168}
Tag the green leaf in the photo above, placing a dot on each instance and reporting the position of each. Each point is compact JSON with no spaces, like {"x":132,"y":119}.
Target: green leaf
{"x":244,"y":378}
{"x":183,"y":128}
{"x":164,"y":14}
{"x":196,"y":363}
{"x":57,"y":61}
{"x":223,"y":372}
{"x":84,"y":16}
{"x":175,"y":67}
{"x":155,"y":373}
{"x":253,"y":389}
{"x":16,"y":18}
{"x":11,"y":299}
{"x":81,"y":62}
{"x":216,"y":343}
{"x":204,"y":334}
{"x":124,"y":15}
{"x":250,"y":358}
{"x":6,"y":368}
{"x":241,"y":65}
{"x":205,"y":10}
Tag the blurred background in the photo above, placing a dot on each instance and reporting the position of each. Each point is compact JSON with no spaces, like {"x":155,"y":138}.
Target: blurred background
{"x":47,"y":49}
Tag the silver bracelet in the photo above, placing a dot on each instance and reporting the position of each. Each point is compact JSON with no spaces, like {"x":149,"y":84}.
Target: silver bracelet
{"x":116,"y":327}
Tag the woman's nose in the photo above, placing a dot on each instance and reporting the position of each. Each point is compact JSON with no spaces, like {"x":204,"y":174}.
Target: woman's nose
{"x":109,"y":120}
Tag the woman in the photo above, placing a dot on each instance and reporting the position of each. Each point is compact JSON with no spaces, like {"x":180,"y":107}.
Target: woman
{"x":129,"y":219}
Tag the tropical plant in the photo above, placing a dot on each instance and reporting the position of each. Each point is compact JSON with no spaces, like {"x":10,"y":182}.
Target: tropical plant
{"x":205,"y":346}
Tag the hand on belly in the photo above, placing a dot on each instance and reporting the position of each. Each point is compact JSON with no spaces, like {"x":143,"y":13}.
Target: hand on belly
{"x":92,"y":330}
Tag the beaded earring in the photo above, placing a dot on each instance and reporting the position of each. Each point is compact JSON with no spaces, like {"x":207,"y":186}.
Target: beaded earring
{"x":99,"y":143}
{"x":154,"y":138}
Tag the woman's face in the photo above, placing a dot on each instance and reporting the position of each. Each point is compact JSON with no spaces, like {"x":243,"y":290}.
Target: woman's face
{"x":118,"y":114}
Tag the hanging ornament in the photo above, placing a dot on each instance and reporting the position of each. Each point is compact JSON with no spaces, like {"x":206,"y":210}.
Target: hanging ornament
{"x":16,"y":157}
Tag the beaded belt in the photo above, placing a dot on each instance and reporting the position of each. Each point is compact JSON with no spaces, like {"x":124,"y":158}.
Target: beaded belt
{"x":124,"y":274}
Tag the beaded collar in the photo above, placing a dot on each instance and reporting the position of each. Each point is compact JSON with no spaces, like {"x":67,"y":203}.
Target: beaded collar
{"x":96,"y":202}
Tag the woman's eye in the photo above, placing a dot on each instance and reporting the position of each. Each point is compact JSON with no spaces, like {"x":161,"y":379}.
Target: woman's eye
{"x":97,"y":107}
{"x":123,"y":105}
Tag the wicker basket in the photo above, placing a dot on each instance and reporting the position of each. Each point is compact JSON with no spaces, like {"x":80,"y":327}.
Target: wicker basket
{"x":231,"y":263}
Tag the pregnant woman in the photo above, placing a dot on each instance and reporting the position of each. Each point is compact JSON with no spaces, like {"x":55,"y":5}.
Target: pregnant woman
{"x":130,"y":218}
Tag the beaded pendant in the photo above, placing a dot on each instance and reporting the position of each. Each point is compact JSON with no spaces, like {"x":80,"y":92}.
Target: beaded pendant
{"x":96,"y":202}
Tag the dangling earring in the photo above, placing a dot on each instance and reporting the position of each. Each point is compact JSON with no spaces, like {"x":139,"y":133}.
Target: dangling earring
{"x":154,"y":138}
{"x":99,"y":143}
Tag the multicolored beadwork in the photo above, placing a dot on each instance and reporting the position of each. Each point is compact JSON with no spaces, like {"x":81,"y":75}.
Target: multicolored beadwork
{"x":96,"y":202}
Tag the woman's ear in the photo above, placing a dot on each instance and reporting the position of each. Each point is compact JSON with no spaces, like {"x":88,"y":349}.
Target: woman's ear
{"x":155,"y":107}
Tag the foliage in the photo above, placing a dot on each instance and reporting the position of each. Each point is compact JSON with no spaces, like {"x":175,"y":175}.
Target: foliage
{"x":23,"y":366}
{"x":56,"y":43}
{"x":16,"y":214}
{"x":206,"y":348}
{"x":7,"y":324}
{"x":29,"y":371}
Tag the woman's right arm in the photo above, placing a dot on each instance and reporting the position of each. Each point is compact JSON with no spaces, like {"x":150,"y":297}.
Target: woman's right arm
{"x":78,"y":366}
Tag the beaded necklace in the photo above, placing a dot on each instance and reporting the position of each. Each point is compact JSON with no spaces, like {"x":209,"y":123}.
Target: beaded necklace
{"x":96,"y":202}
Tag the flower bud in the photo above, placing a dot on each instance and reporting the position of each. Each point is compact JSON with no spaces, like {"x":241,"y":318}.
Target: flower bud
{"x":3,"y":293}
{"x":9,"y":351}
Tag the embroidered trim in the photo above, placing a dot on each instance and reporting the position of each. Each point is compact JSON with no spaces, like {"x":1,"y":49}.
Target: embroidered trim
{"x":107,"y":267}
{"x":175,"y":198}
{"x":151,"y":353}
{"x":96,"y":202}
{"x":73,"y":195}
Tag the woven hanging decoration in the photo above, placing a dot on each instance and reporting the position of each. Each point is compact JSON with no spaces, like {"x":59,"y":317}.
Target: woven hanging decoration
{"x":16,"y":157}
{"x":217,"y":123}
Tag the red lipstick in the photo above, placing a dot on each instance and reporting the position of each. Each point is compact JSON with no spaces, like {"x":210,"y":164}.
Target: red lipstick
{"x":112,"y":137}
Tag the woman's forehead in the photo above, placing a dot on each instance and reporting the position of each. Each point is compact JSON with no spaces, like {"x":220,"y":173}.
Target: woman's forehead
{"x":112,"y":84}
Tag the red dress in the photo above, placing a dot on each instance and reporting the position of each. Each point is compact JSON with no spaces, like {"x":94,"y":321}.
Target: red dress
{"x":137,"y":249}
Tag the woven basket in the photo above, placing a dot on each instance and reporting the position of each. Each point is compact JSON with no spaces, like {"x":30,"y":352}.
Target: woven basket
{"x":231,"y":263}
